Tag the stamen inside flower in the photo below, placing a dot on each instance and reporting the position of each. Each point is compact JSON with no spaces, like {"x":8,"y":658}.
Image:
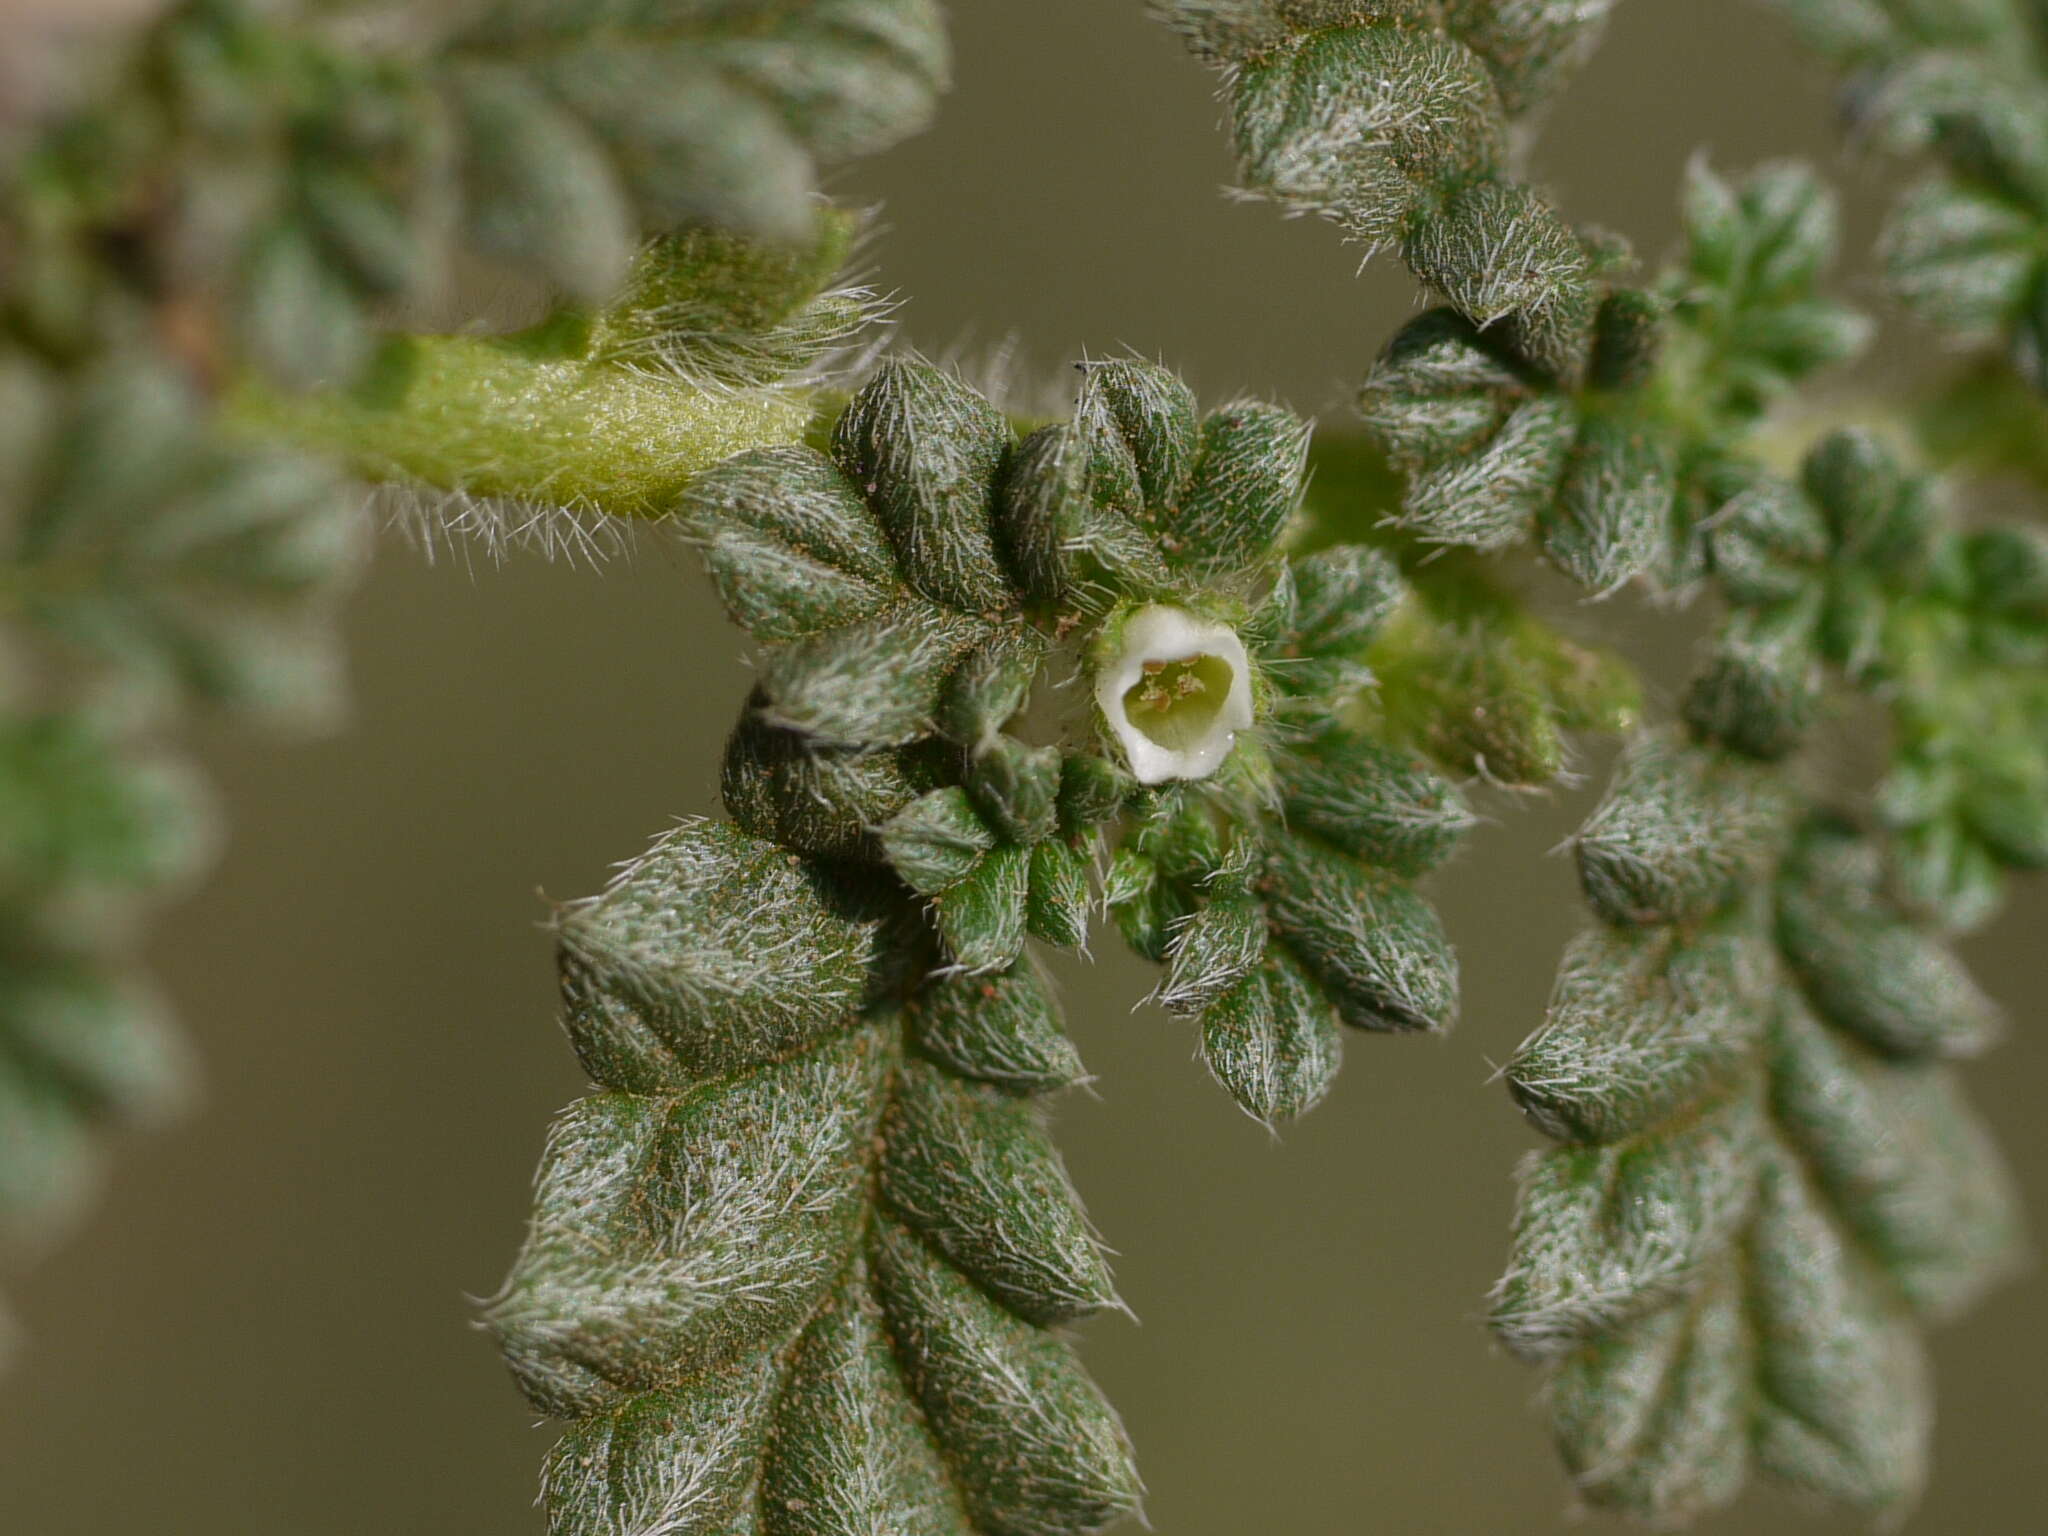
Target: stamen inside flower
{"x":1176,"y":702}
{"x":1176,"y":691}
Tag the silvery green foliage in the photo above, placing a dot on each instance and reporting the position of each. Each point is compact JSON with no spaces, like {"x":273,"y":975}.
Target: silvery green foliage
{"x":1965,"y":85}
{"x":147,"y":570}
{"x":1494,"y":448}
{"x":311,"y":176}
{"x":1392,"y":118}
{"x":1594,"y":459}
{"x":1280,"y":922}
{"x":1857,"y":571}
{"x":912,"y":593}
{"x":1767,"y":1178}
{"x":797,"y":1264}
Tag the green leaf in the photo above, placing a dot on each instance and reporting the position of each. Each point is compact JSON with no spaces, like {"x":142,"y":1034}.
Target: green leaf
{"x":790,"y":545}
{"x":712,"y":952}
{"x":1016,"y":788}
{"x":297,"y":315}
{"x":1390,"y":119}
{"x":85,"y":821}
{"x":1679,"y":831}
{"x":1901,"y":1155}
{"x":308,"y":177}
{"x":1155,"y":415}
{"x":1844,"y":1403}
{"x":1761,"y":687}
{"x":1869,"y":970}
{"x":1653,"y":1417}
{"x":1766,"y":543}
{"x":539,"y":183}
{"x":1611,"y":521}
{"x":1372,"y":944}
{"x":1247,"y":483}
{"x":982,"y":918}
{"x":1091,"y":791}
{"x":1212,"y":953}
{"x":1963,"y":260}
{"x":201,"y":571}
{"x":1640,"y":1025}
{"x":1272,"y":1040}
{"x":1604,"y":1235}
{"x":1500,"y":254}
{"x":991,"y":685}
{"x":937,"y":842}
{"x":1002,"y":1029}
{"x":869,"y":683}
{"x":1066,"y":509}
{"x":924,"y":449}
{"x":1530,"y":46}
{"x":1056,"y":911}
{"x":850,"y":1450}
{"x":1380,"y":806}
{"x":776,"y":1246}
{"x":1320,"y":620}
{"x":720,"y":118}
{"x":1294,"y":113}
{"x":969,"y":1168}
{"x":1750,"y":317}
{"x":1755,"y":1197}
{"x":638,"y":1462}
{"x":1028,"y":1438}
{"x":83,"y":1050}
{"x":672,"y":1236}
{"x":1481,"y":686}
{"x":830,"y":802}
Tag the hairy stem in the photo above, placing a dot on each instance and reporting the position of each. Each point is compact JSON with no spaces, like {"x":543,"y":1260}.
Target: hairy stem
{"x":532,"y":416}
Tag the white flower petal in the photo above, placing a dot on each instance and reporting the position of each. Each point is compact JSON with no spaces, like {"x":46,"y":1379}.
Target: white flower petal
{"x":1203,"y":730}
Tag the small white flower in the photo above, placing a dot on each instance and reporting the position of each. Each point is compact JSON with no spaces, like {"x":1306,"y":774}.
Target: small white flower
{"x":1177,"y":692}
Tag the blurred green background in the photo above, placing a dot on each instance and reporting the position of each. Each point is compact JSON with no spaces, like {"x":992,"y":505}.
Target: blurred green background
{"x":264,"y":1330}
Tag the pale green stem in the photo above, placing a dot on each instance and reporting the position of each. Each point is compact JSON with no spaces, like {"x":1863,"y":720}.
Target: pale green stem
{"x":529,"y":417}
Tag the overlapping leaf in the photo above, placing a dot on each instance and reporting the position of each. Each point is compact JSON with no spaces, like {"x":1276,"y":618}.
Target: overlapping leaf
{"x":1497,"y":446}
{"x":796,"y":1263}
{"x":1393,"y":119}
{"x":1857,"y":570}
{"x":1768,"y":1179}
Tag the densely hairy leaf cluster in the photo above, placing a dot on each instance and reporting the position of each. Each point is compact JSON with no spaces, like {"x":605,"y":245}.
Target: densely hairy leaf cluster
{"x":145,"y":571}
{"x":1767,"y":1178}
{"x":800,"y":1266}
{"x":1967,"y":86}
{"x":283,"y":184}
{"x":1394,"y":119}
{"x":1856,"y":571}
{"x":931,"y":588}
{"x":1615,"y":462}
